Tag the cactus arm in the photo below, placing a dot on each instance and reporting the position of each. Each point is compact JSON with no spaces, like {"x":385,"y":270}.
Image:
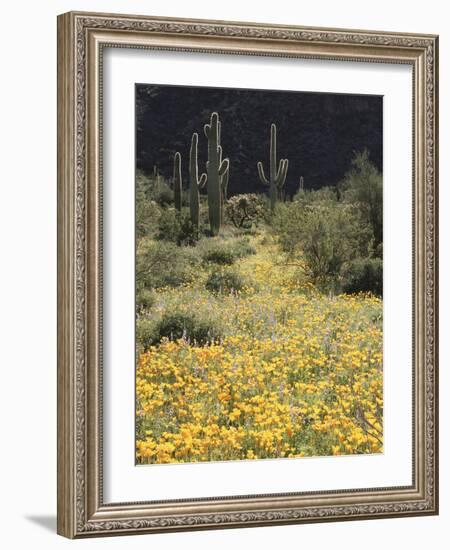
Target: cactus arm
{"x":195,"y":183}
{"x":202,"y":181}
{"x":224,"y":184}
{"x":177,"y":181}
{"x":261,"y":174}
{"x":224,"y":166}
{"x":282,"y":173}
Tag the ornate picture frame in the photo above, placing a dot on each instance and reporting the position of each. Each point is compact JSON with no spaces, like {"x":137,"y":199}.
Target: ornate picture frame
{"x":82,"y":38}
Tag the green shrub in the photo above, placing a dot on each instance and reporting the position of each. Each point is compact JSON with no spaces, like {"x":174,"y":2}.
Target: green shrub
{"x":226,"y":252}
{"x":244,"y":210}
{"x":145,"y":299}
{"x":145,"y":333}
{"x":189,"y":326}
{"x":177,"y":228}
{"x":363,"y":185}
{"x":364,"y":275}
{"x":323,"y":194}
{"x":188,"y":233}
{"x":224,"y":281}
{"x":169,"y":225}
{"x":242,"y":248}
{"x":322,"y":237}
{"x":161,"y":192}
{"x":147,"y":211}
{"x":219,"y":254}
{"x":161,"y":264}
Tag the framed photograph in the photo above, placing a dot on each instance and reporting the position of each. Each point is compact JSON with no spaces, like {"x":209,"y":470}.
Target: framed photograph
{"x":247,"y":277}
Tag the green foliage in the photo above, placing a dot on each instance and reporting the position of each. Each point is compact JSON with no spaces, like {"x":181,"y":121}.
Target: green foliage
{"x":169,"y":225}
{"x":224,"y":281}
{"x":242,"y":248}
{"x":363,"y":184}
{"x":162,"y":264}
{"x":324,"y":194}
{"x":364,"y":275}
{"x":176,"y":228}
{"x":145,"y":333}
{"x":244,"y":210}
{"x":224,"y":252}
{"x":277,"y":173}
{"x":193,"y":327}
{"x":219,"y":254}
{"x":147,"y":211}
{"x":145,"y":299}
{"x":153,"y":188}
{"x":217,"y":173}
{"x":188,"y":234}
{"x":322,"y":237}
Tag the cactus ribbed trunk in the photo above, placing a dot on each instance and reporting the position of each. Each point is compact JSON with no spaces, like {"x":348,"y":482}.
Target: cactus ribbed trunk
{"x":277,"y":173}
{"x":195,"y":184}
{"x":177,"y":181}
{"x":216,"y":169}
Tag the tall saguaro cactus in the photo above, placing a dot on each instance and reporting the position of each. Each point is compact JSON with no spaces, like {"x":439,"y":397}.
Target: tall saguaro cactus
{"x":177,"y":181}
{"x":216,"y":169}
{"x":277,"y":174}
{"x":195,"y":183}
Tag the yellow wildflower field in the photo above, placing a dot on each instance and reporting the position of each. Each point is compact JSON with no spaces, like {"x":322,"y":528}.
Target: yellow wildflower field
{"x":295,"y":373}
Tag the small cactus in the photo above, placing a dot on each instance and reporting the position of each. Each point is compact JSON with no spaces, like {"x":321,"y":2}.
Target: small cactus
{"x":301,"y":186}
{"x":195,"y":184}
{"x":277,"y":175}
{"x":216,"y":169}
{"x":177,"y":181}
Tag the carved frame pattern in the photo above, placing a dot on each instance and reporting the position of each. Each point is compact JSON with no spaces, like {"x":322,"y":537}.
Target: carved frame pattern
{"x":80,"y":508}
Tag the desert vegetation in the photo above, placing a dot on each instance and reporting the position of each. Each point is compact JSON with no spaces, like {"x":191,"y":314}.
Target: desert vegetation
{"x":258,"y":315}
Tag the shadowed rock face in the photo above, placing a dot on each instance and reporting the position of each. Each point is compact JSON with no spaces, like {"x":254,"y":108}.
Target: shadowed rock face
{"x":317,"y":132}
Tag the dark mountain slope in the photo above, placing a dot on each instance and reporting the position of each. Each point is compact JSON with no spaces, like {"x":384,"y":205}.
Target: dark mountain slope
{"x":317,"y":132}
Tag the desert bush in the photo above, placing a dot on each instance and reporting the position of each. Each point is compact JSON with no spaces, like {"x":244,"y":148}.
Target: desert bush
{"x":188,"y":234}
{"x":226,"y":252}
{"x":147,"y":211}
{"x":363,"y":275}
{"x":169,"y":225}
{"x":160,"y":191}
{"x":145,"y":333}
{"x":224,"y":281}
{"x":322,"y":237}
{"x":363,"y":185}
{"x":309,"y":196}
{"x":145,"y":299}
{"x":219,"y":254}
{"x":242,"y":248}
{"x":176,"y":227}
{"x":244,"y":210}
{"x":161,"y":264}
{"x":190,"y":326}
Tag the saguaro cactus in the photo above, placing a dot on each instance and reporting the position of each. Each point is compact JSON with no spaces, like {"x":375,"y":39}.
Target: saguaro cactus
{"x":301,"y":186}
{"x":177,"y":181}
{"x":195,"y":184}
{"x":277,"y":175}
{"x":216,"y":169}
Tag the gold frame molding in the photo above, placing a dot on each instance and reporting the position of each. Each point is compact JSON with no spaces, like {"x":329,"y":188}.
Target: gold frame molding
{"x":81,"y":38}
